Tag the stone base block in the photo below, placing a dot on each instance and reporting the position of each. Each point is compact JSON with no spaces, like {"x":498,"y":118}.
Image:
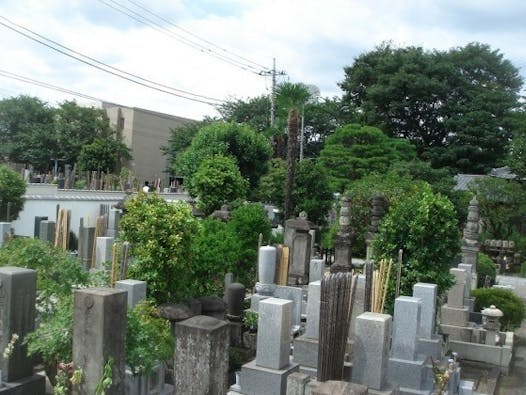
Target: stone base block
{"x":255,"y":299}
{"x":429,"y":348}
{"x":457,"y":333}
{"x":410,"y":391}
{"x":309,"y":371}
{"x":408,"y":374}
{"x":333,"y":387}
{"x":256,"y":380}
{"x":384,"y":392}
{"x":466,"y":387}
{"x":454,"y":315}
{"x":306,"y":351}
{"x":34,"y":385}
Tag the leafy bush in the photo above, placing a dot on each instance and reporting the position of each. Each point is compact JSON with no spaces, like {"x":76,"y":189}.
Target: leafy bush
{"x":424,"y":226}
{"x":218,"y":181}
{"x":12,"y":189}
{"x":57,"y":271}
{"x":161,"y":236}
{"x":247,"y":222}
{"x":511,"y":305}
{"x":148,"y":339}
{"x":216,"y":251}
{"x":485,"y":267}
{"x":523,"y":269}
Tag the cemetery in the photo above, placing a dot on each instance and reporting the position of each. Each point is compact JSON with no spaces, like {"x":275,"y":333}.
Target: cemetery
{"x":304,"y":328}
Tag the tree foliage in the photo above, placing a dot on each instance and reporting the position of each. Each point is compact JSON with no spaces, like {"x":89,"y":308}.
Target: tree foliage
{"x":218,"y":181}
{"x":254,"y":112}
{"x":161,"y":235}
{"x":355,"y":151}
{"x":106,"y":154}
{"x":516,"y":158}
{"x":453,"y":105}
{"x":424,"y":226}
{"x":311,"y":192}
{"x":12,"y":189}
{"x":250,"y":150}
{"x":511,"y":305}
{"x":502,"y":205}
{"x":392,"y":186}
{"x":26,"y":131}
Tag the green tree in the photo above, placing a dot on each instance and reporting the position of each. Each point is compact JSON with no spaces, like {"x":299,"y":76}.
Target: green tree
{"x":218,"y":181}
{"x":453,"y":105}
{"x":394,"y":187}
{"x":106,"y":154}
{"x":354,"y":151}
{"x":180,"y":139}
{"x":502,"y":206}
{"x":254,"y":112}
{"x":26,"y":131}
{"x":424,"y":226}
{"x":12,"y":189}
{"x":311,"y":192}
{"x":250,"y":150}
{"x":76,"y":126}
{"x":516,"y":158}
{"x":292,"y":97}
{"x":161,"y":235}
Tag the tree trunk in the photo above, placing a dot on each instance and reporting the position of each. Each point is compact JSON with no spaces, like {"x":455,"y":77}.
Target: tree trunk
{"x":291,"y":161}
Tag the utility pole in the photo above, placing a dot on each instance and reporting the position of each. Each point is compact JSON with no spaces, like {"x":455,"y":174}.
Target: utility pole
{"x":272,"y":73}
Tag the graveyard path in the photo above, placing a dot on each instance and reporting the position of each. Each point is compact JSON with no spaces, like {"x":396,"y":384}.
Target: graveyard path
{"x":515,"y":382}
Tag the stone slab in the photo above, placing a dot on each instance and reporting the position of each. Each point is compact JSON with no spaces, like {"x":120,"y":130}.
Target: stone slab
{"x":317,"y":269}
{"x":430,"y":348}
{"x":428,"y":294}
{"x":496,"y":355}
{"x":457,"y":316}
{"x":332,"y":387}
{"x":296,"y":383}
{"x":34,"y":385}
{"x":295,"y":295}
{"x":406,"y":326}
{"x":136,"y":290}
{"x":406,"y":373}
{"x":312,"y":327}
{"x":306,"y":351}
{"x":458,"y":333}
{"x":258,"y":380}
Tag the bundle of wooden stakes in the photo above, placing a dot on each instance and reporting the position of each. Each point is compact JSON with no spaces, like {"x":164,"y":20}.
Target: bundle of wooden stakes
{"x":380,"y":284}
{"x":62,"y":229}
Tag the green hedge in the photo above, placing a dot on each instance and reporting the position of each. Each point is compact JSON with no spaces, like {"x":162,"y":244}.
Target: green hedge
{"x":511,"y":305}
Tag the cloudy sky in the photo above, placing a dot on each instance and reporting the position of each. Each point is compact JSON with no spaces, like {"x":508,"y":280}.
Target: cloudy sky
{"x":213,"y":50}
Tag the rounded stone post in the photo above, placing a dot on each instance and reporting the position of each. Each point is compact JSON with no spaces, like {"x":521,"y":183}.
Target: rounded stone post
{"x":266,"y":270}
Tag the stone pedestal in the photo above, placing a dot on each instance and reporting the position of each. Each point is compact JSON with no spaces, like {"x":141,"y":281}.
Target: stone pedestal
{"x":201,"y":356}
{"x":103,"y":251}
{"x":258,"y":380}
{"x":135,"y":289}
{"x":99,"y":330}
{"x":371,"y":350}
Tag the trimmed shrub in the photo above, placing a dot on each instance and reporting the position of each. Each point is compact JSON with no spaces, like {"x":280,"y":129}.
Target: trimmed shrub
{"x":511,"y":305}
{"x":485,"y":267}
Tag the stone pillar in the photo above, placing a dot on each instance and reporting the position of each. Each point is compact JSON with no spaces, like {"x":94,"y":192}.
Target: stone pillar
{"x":17,"y":315}
{"x":306,"y":345}
{"x":201,"y":356}
{"x":316,"y":269}
{"x":5,"y":228}
{"x":468,"y":300}
{"x":379,"y":207}
{"x":470,"y":245}
{"x":36,"y":231}
{"x":299,"y":240}
{"x":427,"y":293}
{"x":266,"y":270}
{"x":406,"y":368}
{"x":358,"y":303}
{"x":371,"y":350}
{"x":267,"y":374}
{"x":454,"y":315}
{"x":343,"y":241}
{"x":234,"y":297}
{"x":99,"y":332}
{"x":114,"y":217}
{"x":86,"y":240}
{"x":47,"y":231}
{"x":135,"y":289}
{"x":103,"y":251}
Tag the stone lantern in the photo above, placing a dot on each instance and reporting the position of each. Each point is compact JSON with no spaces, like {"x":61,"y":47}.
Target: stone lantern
{"x":491,"y":324}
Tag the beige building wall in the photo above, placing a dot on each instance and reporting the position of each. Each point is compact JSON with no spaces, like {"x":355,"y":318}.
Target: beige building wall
{"x":145,"y":132}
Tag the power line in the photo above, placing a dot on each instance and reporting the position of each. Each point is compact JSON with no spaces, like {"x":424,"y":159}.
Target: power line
{"x":156,"y":26}
{"x":104,"y":67}
{"x":28,"y":80}
{"x":171,"y":23}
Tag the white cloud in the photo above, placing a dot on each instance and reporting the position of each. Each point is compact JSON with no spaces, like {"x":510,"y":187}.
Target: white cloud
{"x":311,"y":40}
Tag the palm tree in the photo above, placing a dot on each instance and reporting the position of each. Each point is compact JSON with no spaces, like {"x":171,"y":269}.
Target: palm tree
{"x":291,"y":97}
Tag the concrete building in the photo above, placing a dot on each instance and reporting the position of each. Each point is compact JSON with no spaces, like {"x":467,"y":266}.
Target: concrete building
{"x":144,"y":132}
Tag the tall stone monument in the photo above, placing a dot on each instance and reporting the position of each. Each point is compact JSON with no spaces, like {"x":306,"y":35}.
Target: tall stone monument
{"x":379,"y":208}
{"x":344,"y":239}
{"x":299,"y":240}
{"x":470,"y":244}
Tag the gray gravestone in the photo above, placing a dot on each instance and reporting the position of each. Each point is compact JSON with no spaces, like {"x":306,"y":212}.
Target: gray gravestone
{"x":317,"y":269}
{"x":103,"y":251}
{"x":295,"y":295}
{"x":47,"y":231}
{"x":5,"y":228}
{"x":427,"y":293}
{"x":114,"y":217}
{"x":344,"y":239}
{"x":306,"y":345}
{"x":36,"y":231}
{"x":298,"y":239}
{"x":136,"y":290}
{"x":17,"y":316}
{"x":406,"y":327}
{"x":456,"y":294}
{"x":371,"y":349}
{"x":99,"y":331}
{"x":201,"y":356}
